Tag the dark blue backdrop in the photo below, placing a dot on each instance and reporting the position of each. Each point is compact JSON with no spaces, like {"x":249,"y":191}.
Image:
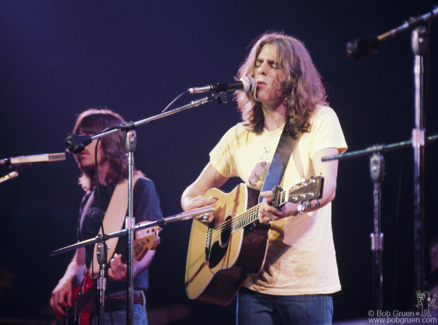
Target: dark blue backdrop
{"x":58,"y":58}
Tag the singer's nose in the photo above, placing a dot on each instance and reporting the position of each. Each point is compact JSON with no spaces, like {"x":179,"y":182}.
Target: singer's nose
{"x":261,"y":70}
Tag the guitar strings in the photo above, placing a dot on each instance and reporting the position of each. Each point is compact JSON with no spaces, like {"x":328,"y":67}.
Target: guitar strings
{"x":249,"y":215}
{"x":246,"y":217}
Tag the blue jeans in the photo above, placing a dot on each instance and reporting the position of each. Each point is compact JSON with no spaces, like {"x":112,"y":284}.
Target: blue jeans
{"x":255,"y":308}
{"x":118,"y":314}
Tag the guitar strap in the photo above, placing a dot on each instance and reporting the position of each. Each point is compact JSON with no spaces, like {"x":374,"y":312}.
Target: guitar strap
{"x":112,"y":221}
{"x":279,"y":162}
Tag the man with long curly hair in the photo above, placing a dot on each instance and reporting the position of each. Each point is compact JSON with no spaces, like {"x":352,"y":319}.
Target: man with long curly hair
{"x":110,"y":174}
{"x":300,"y":271}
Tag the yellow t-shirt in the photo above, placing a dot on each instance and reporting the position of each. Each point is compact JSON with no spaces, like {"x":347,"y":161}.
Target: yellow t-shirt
{"x":301,"y":257}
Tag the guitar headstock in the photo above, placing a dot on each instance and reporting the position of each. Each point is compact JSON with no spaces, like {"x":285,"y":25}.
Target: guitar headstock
{"x":305,"y":191}
{"x":147,"y":239}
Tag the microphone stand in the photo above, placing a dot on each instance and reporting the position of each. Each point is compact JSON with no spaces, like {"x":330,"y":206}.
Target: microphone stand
{"x":101,"y":251}
{"x":365,"y":45}
{"x":77,"y":143}
{"x":101,"y":281}
{"x":101,"y":237}
{"x":420,"y":44}
{"x":377,"y":171}
{"x":131,"y":143}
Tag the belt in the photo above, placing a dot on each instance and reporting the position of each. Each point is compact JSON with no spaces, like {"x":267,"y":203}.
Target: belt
{"x":121,"y":300}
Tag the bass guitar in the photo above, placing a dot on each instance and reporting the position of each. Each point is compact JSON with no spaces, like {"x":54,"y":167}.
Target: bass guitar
{"x":82,"y":310}
{"x":223,"y":254}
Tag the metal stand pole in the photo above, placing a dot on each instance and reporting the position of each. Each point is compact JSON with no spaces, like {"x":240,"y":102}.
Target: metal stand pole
{"x":377,"y":171}
{"x":131,"y":143}
{"x":101,"y":281}
{"x":419,"y":47}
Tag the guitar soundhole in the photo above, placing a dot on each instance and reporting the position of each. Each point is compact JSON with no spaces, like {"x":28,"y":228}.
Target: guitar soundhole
{"x":225,"y":232}
{"x":219,"y":248}
{"x":217,"y":253}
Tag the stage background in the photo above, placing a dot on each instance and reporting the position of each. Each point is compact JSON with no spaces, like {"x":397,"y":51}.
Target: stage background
{"x":59,"y":58}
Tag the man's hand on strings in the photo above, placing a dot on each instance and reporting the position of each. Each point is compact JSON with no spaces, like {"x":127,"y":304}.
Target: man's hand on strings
{"x":118,"y":270}
{"x":61,"y":296}
{"x":268,"y":213}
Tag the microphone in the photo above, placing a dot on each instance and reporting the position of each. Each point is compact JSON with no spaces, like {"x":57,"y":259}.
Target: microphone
{"x":245,"y":84}
{"x":362,"y":47}
{"x":76,"y":143}
{"x":9,"y":176}
{"x":27,"y":160}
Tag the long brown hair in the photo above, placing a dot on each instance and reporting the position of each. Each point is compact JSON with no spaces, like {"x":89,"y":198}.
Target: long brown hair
{"x":302,"y":88}
{"x":95,"y":120}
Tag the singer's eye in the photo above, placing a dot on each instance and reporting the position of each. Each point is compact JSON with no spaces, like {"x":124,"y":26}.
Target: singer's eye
{"x":258,"y":63}
{"x":273,"y":64}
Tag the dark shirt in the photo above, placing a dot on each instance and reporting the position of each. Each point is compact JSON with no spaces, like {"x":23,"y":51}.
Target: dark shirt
{"x":146,"y":207}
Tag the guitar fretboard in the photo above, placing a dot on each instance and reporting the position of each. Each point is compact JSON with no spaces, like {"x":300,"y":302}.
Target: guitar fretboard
{"x":251,"y":215}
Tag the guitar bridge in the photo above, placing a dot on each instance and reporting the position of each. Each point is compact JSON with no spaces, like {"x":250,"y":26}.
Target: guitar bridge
{"x":208,"y":243}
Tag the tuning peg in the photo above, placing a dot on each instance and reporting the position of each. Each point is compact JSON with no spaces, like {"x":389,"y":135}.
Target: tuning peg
{"x":301,"y":208}
{"x":309,"y":205}
{"x":317,"y":204}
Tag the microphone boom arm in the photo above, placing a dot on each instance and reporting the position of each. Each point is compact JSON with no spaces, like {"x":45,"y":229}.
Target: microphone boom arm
{"x":365,"y":45}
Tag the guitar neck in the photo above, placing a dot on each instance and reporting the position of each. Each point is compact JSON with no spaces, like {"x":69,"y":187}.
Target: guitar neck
{"x":251,"y":215}
{"x":245,"y":219}
{"x":307,"y":190}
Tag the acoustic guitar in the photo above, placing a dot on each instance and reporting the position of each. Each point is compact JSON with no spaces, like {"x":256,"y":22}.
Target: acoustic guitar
{"x":223,"y":254}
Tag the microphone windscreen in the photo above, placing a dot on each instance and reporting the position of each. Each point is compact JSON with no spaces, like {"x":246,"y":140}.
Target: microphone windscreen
{"x":362,"y":47}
